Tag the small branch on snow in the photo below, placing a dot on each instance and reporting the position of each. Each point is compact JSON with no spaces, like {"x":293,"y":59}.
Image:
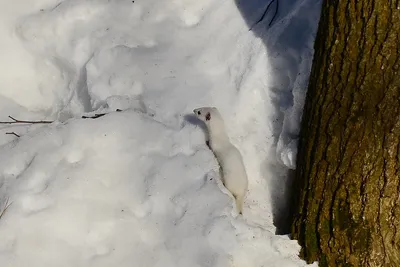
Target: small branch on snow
{"x":13,"y":133}
{"x":265,"y":12}
{"x":276,"y":12}
{"x":15,"y":121}
{"x":4,"y":209}
{"x":95,"y":116}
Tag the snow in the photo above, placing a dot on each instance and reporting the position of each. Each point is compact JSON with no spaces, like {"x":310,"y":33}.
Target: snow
{"x":139,"y":187}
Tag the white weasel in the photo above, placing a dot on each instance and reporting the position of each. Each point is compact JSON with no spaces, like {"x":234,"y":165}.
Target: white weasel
{"x":234,"y":176}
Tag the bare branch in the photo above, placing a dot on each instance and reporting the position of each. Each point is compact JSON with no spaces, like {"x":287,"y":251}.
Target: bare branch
{"x":276,"y":12}
{"x":4,"y":209}
{"x":13,"y":133}
{"x":15,"y":121}
{"x":265,"y":12}
{"x":95,"y":116}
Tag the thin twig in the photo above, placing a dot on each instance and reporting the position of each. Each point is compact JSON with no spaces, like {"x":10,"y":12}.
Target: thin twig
{"x":265,"y":12}
{"x":15,"y":121}
{"x":6,"y":205}
{"x":22,"y":121}
{"x":13,"y":133}
{"x":276,"y":12}
{"x":95,"y":116}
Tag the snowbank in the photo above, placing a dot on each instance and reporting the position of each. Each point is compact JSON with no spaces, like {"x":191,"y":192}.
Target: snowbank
{"x":136,"y":187}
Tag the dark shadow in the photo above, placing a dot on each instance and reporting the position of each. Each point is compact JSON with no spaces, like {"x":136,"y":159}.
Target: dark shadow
{"x":281,"y":183}
{"x":192,"y":119}
{"x":289,"y":42}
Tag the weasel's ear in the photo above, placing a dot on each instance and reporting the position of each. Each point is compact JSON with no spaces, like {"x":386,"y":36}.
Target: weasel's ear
{"x":208,"y":116}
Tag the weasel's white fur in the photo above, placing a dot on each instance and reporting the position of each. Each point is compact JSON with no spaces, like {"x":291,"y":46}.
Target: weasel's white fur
{"x":234,"y":175}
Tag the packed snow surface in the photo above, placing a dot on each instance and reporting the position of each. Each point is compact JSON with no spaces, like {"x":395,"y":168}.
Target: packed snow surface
{"x":139,"y":186}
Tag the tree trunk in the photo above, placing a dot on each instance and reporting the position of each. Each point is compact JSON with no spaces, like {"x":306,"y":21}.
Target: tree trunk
{"x":346,"y":208}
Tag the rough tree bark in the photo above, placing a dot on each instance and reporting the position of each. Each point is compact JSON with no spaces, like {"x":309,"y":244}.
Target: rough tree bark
{"x":346,"y":206}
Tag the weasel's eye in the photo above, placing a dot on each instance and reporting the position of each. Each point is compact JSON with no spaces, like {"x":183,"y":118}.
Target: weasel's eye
{"x":198,"y":112}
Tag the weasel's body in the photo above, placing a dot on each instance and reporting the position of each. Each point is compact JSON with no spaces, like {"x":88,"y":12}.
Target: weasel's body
{"x":234,"y":175}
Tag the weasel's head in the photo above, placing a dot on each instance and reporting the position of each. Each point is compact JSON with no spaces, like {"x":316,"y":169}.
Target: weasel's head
{"x":206,"y":114}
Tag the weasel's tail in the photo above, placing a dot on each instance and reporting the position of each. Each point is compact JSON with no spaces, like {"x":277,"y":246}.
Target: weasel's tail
{"x":239,"y":204}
